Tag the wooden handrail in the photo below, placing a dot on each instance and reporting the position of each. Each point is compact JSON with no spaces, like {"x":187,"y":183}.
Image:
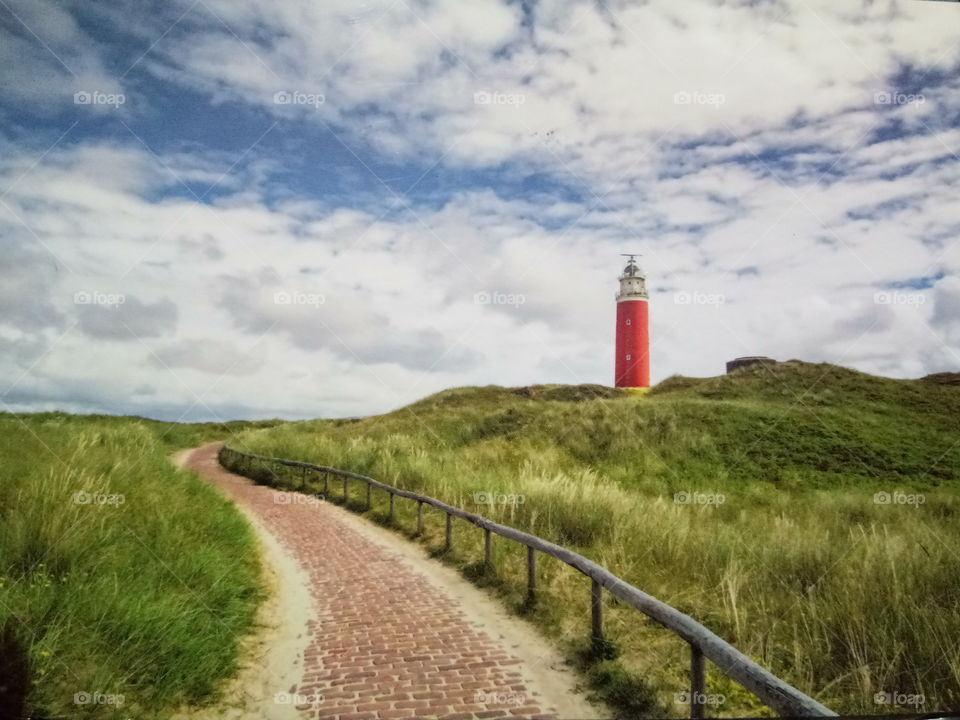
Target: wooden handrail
{"x":777,"y":694}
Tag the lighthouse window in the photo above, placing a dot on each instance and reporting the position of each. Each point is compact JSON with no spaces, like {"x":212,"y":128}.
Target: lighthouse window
{"x":628,"y":357}
{"x":628,"y":321}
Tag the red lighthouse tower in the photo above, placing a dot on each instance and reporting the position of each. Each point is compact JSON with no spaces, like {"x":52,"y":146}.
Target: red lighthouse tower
{"x":633,"y":331}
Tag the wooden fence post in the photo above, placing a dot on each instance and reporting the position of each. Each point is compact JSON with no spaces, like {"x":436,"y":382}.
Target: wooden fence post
{"x":369,"y":498}
{"x":419,"y":517}
{"x":596,"y":606}
{"x":326,"y":484}
{"x":391,"y":507}
{"x":531,"y":575}
{"x":697,"y":683}
{"x":449,"y":544}
{"x":487,"y":548}
{"x":346,"y":495}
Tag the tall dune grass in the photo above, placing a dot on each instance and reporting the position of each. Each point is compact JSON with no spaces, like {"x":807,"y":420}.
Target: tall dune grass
{"x":799,"y":567}
{"x":125,"y":585}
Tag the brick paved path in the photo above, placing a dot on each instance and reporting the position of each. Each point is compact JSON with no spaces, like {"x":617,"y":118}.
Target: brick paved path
{"x":387,"y":642}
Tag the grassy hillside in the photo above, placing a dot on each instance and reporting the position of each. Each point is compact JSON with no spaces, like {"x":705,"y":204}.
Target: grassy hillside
{"x":754,"y":502}
{"x":125,"y":585}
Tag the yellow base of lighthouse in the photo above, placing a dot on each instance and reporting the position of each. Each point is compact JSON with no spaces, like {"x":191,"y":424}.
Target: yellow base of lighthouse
{"x":637,"y":390}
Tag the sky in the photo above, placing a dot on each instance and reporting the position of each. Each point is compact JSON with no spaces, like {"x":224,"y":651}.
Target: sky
{"x":221,"y":209}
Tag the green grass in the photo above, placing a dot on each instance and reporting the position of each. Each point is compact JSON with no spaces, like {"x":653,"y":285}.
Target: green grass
{"x":147,"y":598}
{"x":798,"y":567}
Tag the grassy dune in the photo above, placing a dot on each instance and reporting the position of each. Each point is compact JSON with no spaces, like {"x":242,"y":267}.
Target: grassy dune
{"x":125,"y":585}
{"x":800,"y":566}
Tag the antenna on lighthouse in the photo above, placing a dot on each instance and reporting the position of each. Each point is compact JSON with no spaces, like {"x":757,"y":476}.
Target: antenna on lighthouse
{"x":632,"y":267}
{"x":631,"y":262}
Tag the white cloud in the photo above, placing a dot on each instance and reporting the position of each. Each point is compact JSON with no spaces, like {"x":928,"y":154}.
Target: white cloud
{"x":209,"y":356}
{"x":47,"y":58}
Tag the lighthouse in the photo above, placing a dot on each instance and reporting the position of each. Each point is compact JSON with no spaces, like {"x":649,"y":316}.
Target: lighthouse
{"x":632,"y":366}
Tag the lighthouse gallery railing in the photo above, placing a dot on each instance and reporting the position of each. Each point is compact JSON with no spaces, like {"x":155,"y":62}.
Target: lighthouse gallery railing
{"x":704,"y":644}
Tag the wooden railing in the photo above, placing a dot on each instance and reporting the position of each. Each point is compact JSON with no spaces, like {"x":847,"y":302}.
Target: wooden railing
{"x":704,"y":644}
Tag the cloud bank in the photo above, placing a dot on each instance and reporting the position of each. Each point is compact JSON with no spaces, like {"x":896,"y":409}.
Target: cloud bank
{"x":247,"y":209}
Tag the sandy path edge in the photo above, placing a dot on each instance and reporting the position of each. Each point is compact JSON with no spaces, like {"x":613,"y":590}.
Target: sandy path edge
{"x":271,"y":659}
